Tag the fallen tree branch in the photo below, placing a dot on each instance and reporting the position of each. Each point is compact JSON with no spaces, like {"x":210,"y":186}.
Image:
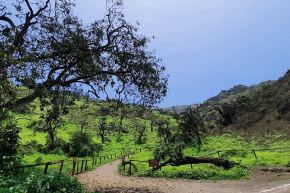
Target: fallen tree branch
{"x":226,"y":164}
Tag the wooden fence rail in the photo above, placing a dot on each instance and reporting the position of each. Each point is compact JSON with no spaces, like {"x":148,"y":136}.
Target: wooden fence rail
{"x":82,"y":165}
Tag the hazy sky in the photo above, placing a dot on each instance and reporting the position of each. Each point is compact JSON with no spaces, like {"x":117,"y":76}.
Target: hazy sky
{"x":210,"y":45}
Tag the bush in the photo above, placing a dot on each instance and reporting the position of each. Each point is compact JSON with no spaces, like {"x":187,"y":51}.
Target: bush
{"x":23,"y":109}
{"x":82,"y":145}
{"x":9,"y":142}
{"x":36,"y":182}
{"x":60,"y":146}
{"x":31,"y":146}
{"x":234,"y":153}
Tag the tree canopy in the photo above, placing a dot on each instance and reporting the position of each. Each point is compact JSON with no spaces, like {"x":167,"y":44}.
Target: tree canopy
{"x":44,"y":46}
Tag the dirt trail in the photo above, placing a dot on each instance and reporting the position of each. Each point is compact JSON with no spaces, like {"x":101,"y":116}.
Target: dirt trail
{"x":107,"y":180}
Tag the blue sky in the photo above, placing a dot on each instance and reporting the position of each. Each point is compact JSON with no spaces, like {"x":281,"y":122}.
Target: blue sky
{"x":209,"y":45}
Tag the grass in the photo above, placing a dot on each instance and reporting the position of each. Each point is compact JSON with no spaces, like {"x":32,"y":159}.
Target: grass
{"x":199,"y":171}
{"x":114,"y":145}
{"x":211,"y":172}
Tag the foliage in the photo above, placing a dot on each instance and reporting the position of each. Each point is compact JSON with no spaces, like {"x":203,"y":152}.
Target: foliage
{"x":54,"y":107}
{"x":191,"y":127}
{"x":82,"y":145}
{"x":46,"y":47}
{"x":9,"y":141}
{"x":60,"y":146}
{"x":140,"y":131}
{"x":36,"y":182}
{"x":103,"y":129}
{"x":213,"y":144}
{"x":173,"y":139}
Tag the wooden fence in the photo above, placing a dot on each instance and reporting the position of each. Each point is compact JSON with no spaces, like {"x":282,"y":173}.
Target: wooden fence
{"x":80,"y":165}
{"x":254,"y":151}
{"x":131,"y":164}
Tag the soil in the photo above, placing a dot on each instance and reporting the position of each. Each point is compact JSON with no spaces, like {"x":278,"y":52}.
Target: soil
{"x":106,"y":179}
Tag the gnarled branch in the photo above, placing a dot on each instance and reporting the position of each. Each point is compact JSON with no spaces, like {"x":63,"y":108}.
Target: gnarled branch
{"x":8,"y":20}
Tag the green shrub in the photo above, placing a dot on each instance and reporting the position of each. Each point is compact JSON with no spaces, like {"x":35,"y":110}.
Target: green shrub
{"x":60,"y":147}
{"x":9,"y":142}
{"x":36,"y":182}
{"x":82,"y":145}
{"x":31,"y":146}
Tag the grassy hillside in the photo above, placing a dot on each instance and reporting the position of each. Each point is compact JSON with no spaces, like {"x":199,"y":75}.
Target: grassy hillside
{"x":33,"y":139}
{"x":261,"y":109}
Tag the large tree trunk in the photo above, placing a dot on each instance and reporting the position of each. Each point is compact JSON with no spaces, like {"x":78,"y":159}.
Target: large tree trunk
{"x":226,"y":164}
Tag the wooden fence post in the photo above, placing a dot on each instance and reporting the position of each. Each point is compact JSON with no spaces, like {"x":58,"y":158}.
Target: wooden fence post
{"x":78,"y":167}
{"x":82,"y":166}
{"x":255,"y":153}
{"x":74,"y":166}
{"x":93,"y":162}
{"x":101,"y":159}
{"x":46,"y":168}
{"x":130,"y":168}
{"x":61,"y":166}
{"x":86,"y":166}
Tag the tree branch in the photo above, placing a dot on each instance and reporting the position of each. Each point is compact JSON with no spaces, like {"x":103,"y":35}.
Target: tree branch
{"x":8,"y":20}
{"x":29,"y":7}
{"x":226,"y":164}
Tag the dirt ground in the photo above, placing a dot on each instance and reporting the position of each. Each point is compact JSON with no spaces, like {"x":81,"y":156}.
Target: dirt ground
{"x":106,"y":179}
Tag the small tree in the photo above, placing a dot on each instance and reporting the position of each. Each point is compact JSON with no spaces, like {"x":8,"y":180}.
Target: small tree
{"x":176,"y":115}
{"x":9,"y":141}
{"x":191,"y":127}
{"x":163,"y":129}
{"x":140,"y":131}
{"x":54,"y":108}
{"x":82,"y":145}
{"x":122,"y":114}
{"x":103,"y":129}
{"x":82,"y":115}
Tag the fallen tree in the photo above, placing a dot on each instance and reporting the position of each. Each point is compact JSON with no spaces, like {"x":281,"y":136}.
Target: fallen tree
{"x":226,"y":164}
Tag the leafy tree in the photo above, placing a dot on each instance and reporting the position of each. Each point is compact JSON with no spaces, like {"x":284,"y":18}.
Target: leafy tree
{"x":191,"y":127}
{"x":140,"y":131}
{"x":176,"y":115}
{"x":81,"y":115}
{"x":9,"y":141}
{"x":103,"y":129}
{"x":54,"y":107}
{"x":173,"y":139}
{"x":44,"y":46}
{"x":164,"y":131}
{"x":122,"y":115}
{"x":82,"y":145}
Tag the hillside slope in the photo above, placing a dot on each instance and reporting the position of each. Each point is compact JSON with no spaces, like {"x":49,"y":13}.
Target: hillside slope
{"x":268,"y":110}
{"x":260,"y":109}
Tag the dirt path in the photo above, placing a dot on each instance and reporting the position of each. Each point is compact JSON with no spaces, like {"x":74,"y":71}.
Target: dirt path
{"x":107,"y":180}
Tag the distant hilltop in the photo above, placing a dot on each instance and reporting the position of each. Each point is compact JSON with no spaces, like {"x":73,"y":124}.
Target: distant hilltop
{"x":178,"y":108}
{"x":223,"y":95}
